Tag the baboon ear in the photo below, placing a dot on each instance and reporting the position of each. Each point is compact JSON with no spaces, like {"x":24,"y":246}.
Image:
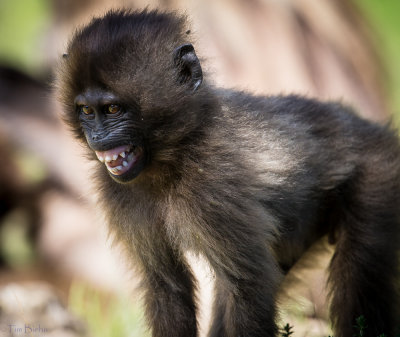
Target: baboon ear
{"x":188,"y":66}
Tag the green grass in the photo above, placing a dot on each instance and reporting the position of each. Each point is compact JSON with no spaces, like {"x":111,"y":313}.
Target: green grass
{"x":360,"y":329}
{"x":15,"y":245}
{"x":384,"y":18}
{"x":22,"y":27}
{"x":107,"y":315}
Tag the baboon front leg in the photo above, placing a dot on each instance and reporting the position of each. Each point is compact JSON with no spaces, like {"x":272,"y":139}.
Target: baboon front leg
{"x":244,"y":304}
{"x":169,"y":288}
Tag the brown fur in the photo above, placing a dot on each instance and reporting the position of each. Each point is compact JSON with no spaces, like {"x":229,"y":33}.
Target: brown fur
{"x":248,"y":182}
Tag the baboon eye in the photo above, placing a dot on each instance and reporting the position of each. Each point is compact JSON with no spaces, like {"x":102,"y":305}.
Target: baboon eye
{"x":87,"y":110}
{"x":113,"y":109}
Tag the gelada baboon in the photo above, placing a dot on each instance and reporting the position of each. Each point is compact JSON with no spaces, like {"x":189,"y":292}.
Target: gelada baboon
{"x":248,"y":182}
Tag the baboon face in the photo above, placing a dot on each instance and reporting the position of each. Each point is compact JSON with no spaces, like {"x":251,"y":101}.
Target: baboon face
{"x":125,"y":96}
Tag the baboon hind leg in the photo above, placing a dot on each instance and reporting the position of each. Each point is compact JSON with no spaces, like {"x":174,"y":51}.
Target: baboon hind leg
{"x":364,"y":271}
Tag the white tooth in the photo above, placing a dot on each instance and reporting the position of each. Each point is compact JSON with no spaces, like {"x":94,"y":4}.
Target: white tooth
{"x":122,"y":154}
{"x":125,"y":163}
{"x":108,"y":159}
{"x":115,"y":156}
{"x":99,"y":157}
{"x":119,"y":168}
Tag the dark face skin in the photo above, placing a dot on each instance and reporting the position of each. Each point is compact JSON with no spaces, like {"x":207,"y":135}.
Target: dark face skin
{"x":112,"y":129}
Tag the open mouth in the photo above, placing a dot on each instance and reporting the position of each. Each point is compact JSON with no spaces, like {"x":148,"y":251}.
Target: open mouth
{"x":120,"y":159}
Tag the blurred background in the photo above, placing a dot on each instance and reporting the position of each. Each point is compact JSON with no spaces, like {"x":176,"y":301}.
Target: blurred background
{"x":58,"y":271}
